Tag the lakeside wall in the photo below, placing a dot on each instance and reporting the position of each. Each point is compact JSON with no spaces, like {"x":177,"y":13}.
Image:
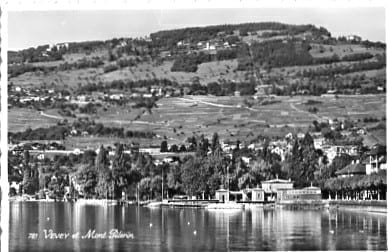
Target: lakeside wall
{"x":365,"y":205}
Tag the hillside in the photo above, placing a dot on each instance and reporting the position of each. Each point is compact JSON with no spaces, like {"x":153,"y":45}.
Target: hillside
{"x":254,"y":60}
{"x":258,"y":52}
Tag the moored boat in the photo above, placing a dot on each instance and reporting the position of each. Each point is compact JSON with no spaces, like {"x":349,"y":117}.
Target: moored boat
{"x":230,"y":205}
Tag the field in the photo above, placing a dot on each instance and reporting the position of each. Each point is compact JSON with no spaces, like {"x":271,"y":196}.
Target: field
{"x":19,"y":119}
{"x":207,"y":72}
{"x":319,"y":50}
{"x":178,"y":118}
{"x":59,"y":79}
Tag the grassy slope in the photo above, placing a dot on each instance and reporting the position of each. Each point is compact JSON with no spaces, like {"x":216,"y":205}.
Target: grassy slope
{"x":190,"y":115}
{"x":207,"y":72}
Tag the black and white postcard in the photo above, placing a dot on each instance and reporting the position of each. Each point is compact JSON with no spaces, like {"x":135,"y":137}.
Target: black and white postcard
{"x":211,"y":126}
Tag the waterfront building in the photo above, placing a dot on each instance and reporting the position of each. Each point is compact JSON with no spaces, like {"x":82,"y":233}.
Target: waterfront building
{"x":222,"y":195}
{"x":307,"y":193}
{"x":245,"y":195}
{"x":257,"y":194}
{"x":272,"y":186}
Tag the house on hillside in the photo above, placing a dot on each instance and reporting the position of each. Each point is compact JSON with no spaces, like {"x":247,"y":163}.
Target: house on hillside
{"x":151,"y":150}
{"x":319,"y":142}
{"x":336,"y":150}
{"x":377,"y":159}
{"x":355,"y":168}
{"x":354,"y":38}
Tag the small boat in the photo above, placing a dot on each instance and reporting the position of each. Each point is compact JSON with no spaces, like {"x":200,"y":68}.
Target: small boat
{"x":225,"y":206}
{"x":154,"y":204}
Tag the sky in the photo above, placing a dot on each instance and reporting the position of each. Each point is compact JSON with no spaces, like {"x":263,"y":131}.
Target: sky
{"x":33,"y":28}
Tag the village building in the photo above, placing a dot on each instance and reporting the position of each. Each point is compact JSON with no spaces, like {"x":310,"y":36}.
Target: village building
{"x":377,"y":159}
{"x":354,"y":38}
{"x":331,"y":151}
{"x":355,"y":168}
{"x":319,"y":142}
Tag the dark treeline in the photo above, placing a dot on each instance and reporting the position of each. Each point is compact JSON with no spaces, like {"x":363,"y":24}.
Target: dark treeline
{"x":291,"y":53}
{"x":79,"y":127}
{"x":227,"y":88}
{"x":195,"y":34}
{"x":38,"y":54}
{"x":189,"y":63}
{"x":357,"y":57}
{"x":126,"y":84}
{"x":344,"y":69}
{"x":16,"y":70}
{"x":121,"y":63}
{"x":81,"y":64}
{"x":280,"y":54}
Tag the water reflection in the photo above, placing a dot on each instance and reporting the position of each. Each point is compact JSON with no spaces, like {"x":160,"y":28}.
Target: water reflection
{"x":182,"y":229}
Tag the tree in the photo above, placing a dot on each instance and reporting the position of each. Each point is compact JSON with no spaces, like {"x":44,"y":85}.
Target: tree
{"x":214,"y":88}
{"x":156,"y":186}
{"x":120,"y":170}
{"x":102,"y":159}
{"x":164,"y":146}
{"x":30,"y":181}
{"x":104,"y":179}
{"x":145,"y":188}
{"x":304,"y":162}
{"x":174,"y":148}
{"x":182,"y":148}
{"x":203,"y":146}
{"x":26,"y":166}
{"x":215,"y":144}
{"x":87,"y":178}
{"x":174,"y":181}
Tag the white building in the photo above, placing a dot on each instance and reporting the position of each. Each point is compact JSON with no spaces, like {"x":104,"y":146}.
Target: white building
{"x":377,"y":160}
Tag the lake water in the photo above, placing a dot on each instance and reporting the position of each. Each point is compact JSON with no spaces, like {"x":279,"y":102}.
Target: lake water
{"x":167,"y":229}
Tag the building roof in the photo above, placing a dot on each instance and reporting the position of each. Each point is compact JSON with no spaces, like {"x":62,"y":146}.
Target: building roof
{"x":222,"y":190}
{"x":312,"y":188}
{"x":352,"y":169}
{"x":277,"y":181}
{"x":378,"y":150}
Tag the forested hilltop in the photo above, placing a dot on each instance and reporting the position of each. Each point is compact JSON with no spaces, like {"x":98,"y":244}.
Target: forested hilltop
{"x":275,"y":58}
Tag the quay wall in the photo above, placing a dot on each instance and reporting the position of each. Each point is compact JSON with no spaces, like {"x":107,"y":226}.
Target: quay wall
{"x":365,"y":205}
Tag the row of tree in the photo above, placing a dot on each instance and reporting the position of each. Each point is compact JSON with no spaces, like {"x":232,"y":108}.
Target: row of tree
{"x":80,"y":127}
{"x":169,"y":39}
{"x":357,"y":187}
{"x":19,"y":69}
{"x":101,"y":175}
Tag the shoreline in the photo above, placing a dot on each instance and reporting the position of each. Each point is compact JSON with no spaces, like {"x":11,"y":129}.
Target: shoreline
{"x":372,"y":206}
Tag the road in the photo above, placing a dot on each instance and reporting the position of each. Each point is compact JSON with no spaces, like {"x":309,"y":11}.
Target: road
{"x":292,"y":105}
{"x":50,"y":116}
{"x":218,"y":105}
